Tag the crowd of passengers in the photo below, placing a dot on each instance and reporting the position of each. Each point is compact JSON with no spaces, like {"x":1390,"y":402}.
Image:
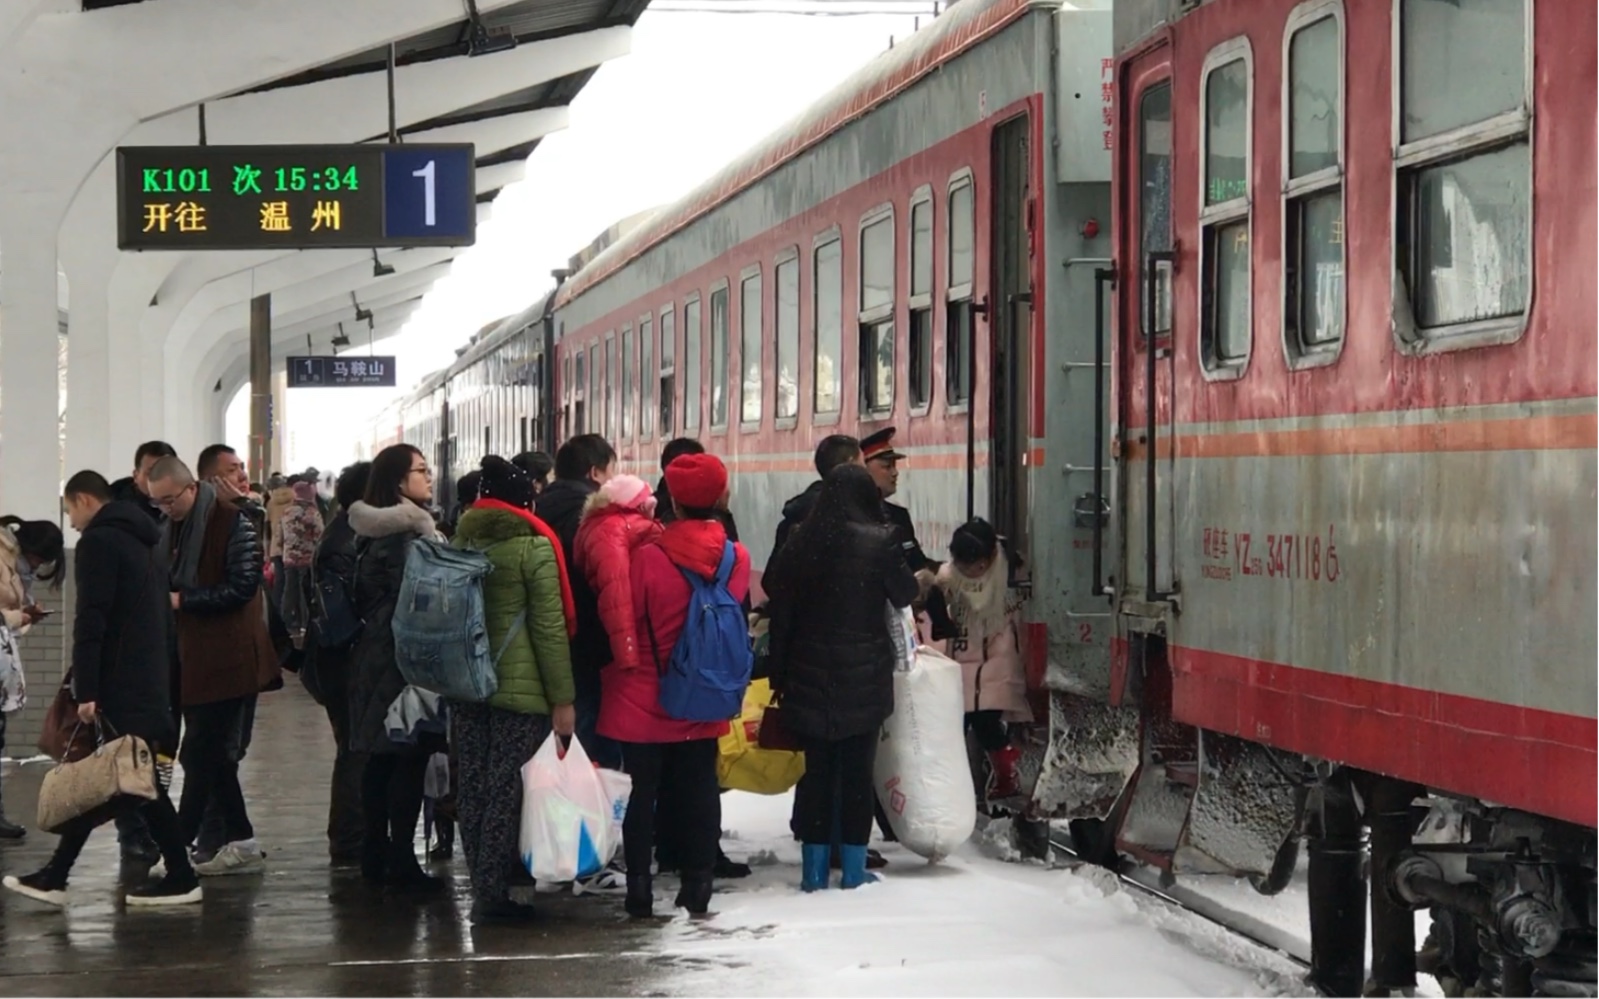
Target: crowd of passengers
{"x":195,"y":588}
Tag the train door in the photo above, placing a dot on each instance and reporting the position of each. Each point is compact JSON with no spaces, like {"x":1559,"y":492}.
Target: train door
{"x":1010,"y":325}
{"x":1145,"y":369}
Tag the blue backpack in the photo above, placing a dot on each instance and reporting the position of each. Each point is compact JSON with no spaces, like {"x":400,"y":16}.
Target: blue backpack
{"x":705,"y":678}
{"x":441,"y":637}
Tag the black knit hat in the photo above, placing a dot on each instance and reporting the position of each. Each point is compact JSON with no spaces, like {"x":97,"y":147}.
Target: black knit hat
{"x":505,"y":482}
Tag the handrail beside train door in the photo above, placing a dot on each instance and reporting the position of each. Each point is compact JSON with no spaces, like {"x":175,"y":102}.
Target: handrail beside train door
{"x":1152,"y":591}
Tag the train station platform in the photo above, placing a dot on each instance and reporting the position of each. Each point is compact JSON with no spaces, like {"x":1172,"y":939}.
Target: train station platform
{"x":980,"y":923}
{"x":302,"y":928}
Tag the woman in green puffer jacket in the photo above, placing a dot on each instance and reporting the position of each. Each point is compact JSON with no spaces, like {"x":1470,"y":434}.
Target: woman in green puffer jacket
{"x":528,"y":606}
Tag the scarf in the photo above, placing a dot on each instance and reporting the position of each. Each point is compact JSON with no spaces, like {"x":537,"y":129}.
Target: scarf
{"x":983,"y":601}
{"x":543,"y":530}
{"x":185,"y":565}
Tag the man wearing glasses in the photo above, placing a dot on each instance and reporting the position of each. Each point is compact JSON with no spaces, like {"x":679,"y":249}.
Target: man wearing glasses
{"x":225,"y":656}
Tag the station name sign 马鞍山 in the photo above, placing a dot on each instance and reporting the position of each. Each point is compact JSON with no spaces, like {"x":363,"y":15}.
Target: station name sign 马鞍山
{"x":334,"y":372}
{"x":295,"y":197}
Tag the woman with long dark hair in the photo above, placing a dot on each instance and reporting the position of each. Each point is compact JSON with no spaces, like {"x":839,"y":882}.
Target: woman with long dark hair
{"x":29,"y":550}
{"x":832,"y":586}
{"x":393,"y":513}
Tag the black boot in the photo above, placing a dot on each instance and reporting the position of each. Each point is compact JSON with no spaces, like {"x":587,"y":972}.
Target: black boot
{"x":406,"y":875}
{"x":640,"y":903}
{"x":727,"y":867}
{"x":695,"y":895}
{"x":374,"y":860}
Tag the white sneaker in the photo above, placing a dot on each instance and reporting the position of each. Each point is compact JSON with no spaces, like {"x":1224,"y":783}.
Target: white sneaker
{"x":231,"y":859}
{"x":609,"y":881}
{"x":38,"y":888}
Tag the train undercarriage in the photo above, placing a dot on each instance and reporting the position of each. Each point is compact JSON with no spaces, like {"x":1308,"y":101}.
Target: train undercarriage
{"x":1511,"y":896}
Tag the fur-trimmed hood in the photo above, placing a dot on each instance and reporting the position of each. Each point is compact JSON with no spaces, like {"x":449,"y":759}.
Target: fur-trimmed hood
{"x":381,"y":522}
{"x":627,"y":493}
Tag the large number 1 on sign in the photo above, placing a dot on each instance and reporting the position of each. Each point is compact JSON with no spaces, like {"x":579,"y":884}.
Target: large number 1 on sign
{"x":428,"y":196}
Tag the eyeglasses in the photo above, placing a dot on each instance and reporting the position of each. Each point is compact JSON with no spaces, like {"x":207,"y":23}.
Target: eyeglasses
{"x":422,"y":470}
{"x":165,"y":503}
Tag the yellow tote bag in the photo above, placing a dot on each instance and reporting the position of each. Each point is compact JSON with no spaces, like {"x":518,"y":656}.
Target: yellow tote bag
{"x":741,"y":765}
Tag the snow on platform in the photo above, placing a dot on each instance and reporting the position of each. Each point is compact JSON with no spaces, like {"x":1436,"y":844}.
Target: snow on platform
{"x":974,"y":925}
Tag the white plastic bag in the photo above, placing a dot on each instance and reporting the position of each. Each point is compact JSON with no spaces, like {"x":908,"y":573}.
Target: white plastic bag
{"x":923,"y":779}
{"x":13,"y":687}
{"x":571,"y":813}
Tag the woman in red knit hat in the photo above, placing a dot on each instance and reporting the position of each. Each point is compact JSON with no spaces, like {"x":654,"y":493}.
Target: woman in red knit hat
{"x":667,"y":757}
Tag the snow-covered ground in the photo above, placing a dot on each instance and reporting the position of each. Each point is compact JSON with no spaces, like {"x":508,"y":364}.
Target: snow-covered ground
{"x":974,"y":925}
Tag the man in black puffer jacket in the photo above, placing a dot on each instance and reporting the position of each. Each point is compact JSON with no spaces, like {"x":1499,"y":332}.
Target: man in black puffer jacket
{"x":582,"y":465}
{"x":835,"y":450}
{"x":120,"y":675}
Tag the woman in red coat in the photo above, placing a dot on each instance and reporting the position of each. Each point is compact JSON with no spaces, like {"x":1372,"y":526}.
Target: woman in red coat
{"x":665,"y":756}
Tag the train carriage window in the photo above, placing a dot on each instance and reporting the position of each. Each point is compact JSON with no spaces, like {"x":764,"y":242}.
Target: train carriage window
{"x":958,"y":326}
{"x":628,"y":392}
{"x":609,"y":430}
{"x":788,"y":320}
{"x":579,"y":397}
{"x":1464,"y":169}
{"x":827,"y":289}
{"x":719,"y":358}
{"x":749,"y":339}
{"x":646,"y":378}
{"x":920,"y":339}
{"x":692,"y":397}
{"x":1313,"y":201}
{"x":594,"y":408}
{"x":1225,"y":216}
{"x":876,"y":315}
{"x":668,"y":370}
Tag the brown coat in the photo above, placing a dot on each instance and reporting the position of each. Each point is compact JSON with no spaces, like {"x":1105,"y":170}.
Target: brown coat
{"x":225,"y":653}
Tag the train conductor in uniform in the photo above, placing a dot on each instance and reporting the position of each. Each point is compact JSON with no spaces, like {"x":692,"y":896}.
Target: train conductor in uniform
{"x":877,"y":451}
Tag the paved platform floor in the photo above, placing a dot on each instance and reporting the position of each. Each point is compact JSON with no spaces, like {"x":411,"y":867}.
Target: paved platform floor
{"x":302,"y":928}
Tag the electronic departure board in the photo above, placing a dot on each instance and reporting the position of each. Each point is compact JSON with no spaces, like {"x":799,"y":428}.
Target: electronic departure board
{"x":295,"y":197}
{"x":341,"y":372}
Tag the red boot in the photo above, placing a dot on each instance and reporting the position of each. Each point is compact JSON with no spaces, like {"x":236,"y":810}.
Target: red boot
{"x":1004,"y":783}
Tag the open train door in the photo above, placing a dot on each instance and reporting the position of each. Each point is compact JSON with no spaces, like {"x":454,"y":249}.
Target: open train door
{"x":1010,"y":326}
{"x":1151,"y":817}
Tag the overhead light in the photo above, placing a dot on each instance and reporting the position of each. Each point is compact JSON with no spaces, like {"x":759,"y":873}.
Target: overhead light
{"x":360,"y":313}
{"x":339,"y":339}
{"x":218,"y":387}
{"x":379,"y":268}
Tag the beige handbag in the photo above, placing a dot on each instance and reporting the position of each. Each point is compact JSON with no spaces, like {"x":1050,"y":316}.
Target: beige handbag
{"x":123,"y":766}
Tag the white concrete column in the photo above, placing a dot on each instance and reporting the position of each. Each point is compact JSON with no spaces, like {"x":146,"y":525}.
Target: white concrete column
{"x":30,"y":464}
{"x":88,"y":415}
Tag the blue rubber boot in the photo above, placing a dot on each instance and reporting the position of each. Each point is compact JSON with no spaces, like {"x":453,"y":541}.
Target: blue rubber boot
{"x":855,"y":875}
{"x":814,"y":857}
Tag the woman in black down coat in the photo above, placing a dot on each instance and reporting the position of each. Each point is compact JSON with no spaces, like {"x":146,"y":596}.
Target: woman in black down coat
{"x":831,"y":587}
{"x":392,"y":515}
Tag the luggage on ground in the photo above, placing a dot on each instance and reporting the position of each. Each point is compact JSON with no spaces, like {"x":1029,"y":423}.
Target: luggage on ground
{"x":922,"y":776}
